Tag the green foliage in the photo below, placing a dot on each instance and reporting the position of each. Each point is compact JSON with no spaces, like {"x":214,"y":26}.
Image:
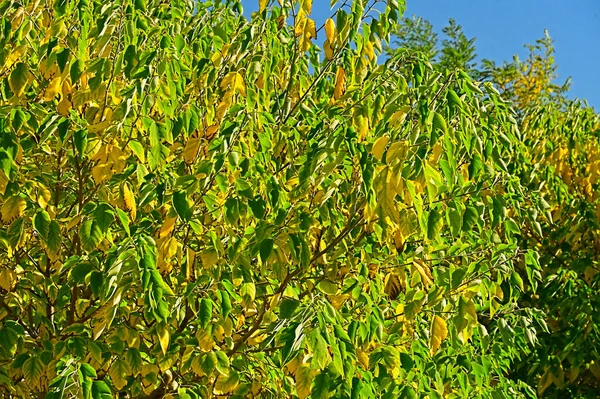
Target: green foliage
{"x":198,"y":205}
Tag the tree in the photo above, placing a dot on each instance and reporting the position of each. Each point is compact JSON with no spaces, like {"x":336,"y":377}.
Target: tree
{"x":201,"y":205}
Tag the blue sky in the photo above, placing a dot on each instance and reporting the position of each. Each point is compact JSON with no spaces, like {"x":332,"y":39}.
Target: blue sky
{"x":503,"y":27}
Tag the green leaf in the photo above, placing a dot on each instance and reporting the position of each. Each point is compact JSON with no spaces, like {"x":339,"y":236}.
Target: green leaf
{"x":124,"y":219}
{"x":90,"y":235}
{"x":288,"y":307}
{"x":181,"y":205}
{"x":41,"y":223}
{"x":205,"y":313}
{"x":54,"y":240}
{"x":76,"y":70}
{"x":434,"y":224}
{"x":320,"y":387}
{"x":18,"y":78}
{"x":222,"y":364}
{"x":266,"y":246}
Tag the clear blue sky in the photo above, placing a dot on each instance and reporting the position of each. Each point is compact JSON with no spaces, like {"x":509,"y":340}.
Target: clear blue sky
{"x":503,"y":27}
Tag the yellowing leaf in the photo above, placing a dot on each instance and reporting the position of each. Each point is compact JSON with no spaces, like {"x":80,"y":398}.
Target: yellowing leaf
{"x":117,"y":372}
{"x":328,"y":49}
{"x":13,"y":208}
{"x":303,"y":380}
{"x":167,"y":227}
{"x":163,"y":337}
{"x":439,"y":332}
{"x":54,"y":87}
{"x":226,"y":383}
{"x":99,"y":127}
{"x":307,"y":5}
{"x":340,"y":83}
{"x":190,"y":151}
{"x":129,"y":200}
{"x":8,"y":279}
{"x":262,"y":4}
{"x":101,"y":173}
{"x":234,"y":81}
{"x":305,"y":28}
{"x":423,"y":270}
{"x":64,"y":106}
{"x":392,"y":285}
{"x":379,"y":147}
{"x":330,"y":31}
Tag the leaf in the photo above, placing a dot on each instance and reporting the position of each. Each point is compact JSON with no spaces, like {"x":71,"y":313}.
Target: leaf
{"x":303,"y":380}
{"x":434,"y":224}
{"x":18,"y":79}
{"x":13,"y":208}
{"x":340,"y":83}
{"x":118,"y":372}
{"x":379,"y":147}
{"x":76,"y":70}
{"x":266,"y":246}
{"x":226,"y":383}
{"x":41,"y":223}
{"x":33,"y":371}
{"x":205,"y":313}
{"x":439,"y":332}
{"x":129,"y":200}
{"x":164,"y":337}
{"x":54,"y":240}
{"x":262,"y":4}
{"x":90,"y":235}
{"x":53,"y":88}
{"x":181,"y":205}
{"x":222,"y":364}
{"x":330,"y":31}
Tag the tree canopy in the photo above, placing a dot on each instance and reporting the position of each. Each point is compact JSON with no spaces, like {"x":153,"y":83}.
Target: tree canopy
{"x":194,"y":204}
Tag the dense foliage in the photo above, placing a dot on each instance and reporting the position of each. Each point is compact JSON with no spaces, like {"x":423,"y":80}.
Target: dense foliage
{"x":197,"y":205}
{"x":558,"y":166}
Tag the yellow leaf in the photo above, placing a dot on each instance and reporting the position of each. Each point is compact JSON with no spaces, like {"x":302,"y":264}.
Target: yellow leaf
{"x":234,"y":81}
{"x":363,"y":358}
{"x":226,"y":383}
{"x":423,"y":270}
{"x":340,"y":83}
{"x":439,"y":332}
{"x":167,"y":227}
{"x":64,"y":106}
{"x":13,"y":208}
{"x":310,"y":32}
{"x":53,"y":88}
{"x":4,"y":182}
{"x":99,"y":127}
{"x":379,"y":147}
{"x":129,"y":200}
{"x":328,"y":50}
{"x":169,"y":248}
{"x":303,"y":380}
{"x":190,"y":151}
{"x":205,"y":340}
{"x":163,"y":337}
{"x":262,"y":4}
{"x":330,"y":31}
{"x":8,"y":279}
{"x":101,"y":173}
{"x":307,"y":5}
